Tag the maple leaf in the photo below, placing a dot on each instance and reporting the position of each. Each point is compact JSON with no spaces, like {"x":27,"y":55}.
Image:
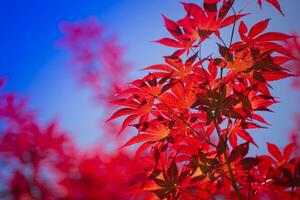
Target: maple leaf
{"x":276,"y":153}
{"x":209,"y":19}
{"x":258,"y":65}
{"x":239,"y":128}
{"x":181,"y":97}
{"x":135,"y":109}
{"x":254,"y":54}
{"x":149,"y":87}
{"x":152,"y":133}
{"x":183,"y":40}
{"x":219,"y":101}
{"x":241,"y":61}
{"x":273,"y":3}
{"x":258,"y":43}
{"x":175,"y":68}
{"x":166,"y":178}
{"x":239,"y":152}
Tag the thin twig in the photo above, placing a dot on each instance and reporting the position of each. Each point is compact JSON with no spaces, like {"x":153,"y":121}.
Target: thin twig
{"x":233,"y":27}
{"x":233,"y":183}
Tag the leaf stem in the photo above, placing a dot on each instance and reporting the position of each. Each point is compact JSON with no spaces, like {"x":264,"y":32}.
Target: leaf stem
{"x":194,"y":130}
{"x":233,"y":27}
{"x":233,"y":183}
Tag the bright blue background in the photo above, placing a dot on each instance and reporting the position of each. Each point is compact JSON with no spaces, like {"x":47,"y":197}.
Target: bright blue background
{"x":37,"y":68}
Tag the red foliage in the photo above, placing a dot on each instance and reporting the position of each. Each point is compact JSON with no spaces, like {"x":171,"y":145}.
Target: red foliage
{"x":96,"y":58}
{"x":193,"y":117}
{"x":44,"y":163}
{"x":210,"y":101}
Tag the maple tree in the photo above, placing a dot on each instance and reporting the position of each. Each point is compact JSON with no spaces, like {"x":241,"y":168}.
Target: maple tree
{"x":193,"y":116}
{"x":193,"y":113}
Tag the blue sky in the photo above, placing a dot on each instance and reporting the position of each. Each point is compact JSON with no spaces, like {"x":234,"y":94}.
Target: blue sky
{"x":37,"y":68}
